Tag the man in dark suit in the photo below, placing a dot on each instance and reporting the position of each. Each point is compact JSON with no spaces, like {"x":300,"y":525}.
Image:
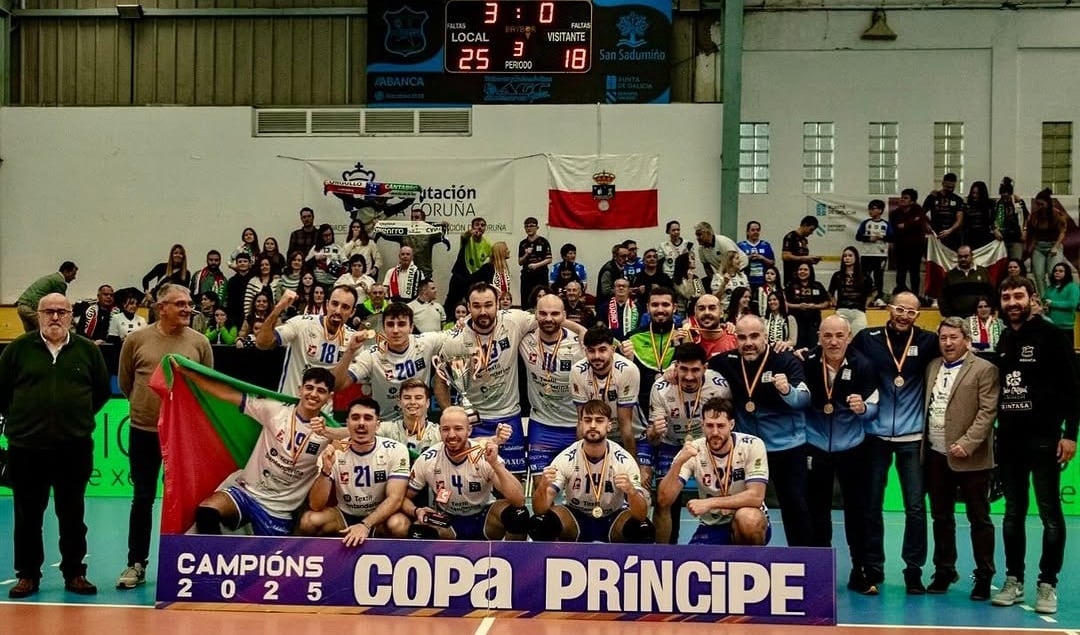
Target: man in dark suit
{"x":961,"y":405}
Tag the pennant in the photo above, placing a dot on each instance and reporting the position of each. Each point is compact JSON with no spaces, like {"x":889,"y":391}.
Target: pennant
{"x":608,"y":191}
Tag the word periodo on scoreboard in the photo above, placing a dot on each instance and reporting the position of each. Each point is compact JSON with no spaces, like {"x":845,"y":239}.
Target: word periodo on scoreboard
{"x":449,"y":578}
{"x":518,"y":51}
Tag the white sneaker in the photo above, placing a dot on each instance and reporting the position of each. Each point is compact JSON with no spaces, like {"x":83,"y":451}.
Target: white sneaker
{"x":132,"y":576}
{"x":1045,"y":599}
{"x":1011,"y":593}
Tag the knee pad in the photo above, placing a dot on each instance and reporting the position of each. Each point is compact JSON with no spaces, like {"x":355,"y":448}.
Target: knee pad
{"x":515,"y":519}
{"x":545,"y":527}
{"x":423,"y":532}
{"x":207,"y":520}
{"x":641,"y":532}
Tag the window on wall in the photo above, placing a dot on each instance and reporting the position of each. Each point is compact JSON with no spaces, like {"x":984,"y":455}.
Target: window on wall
{"x":949,"y":150}
{"x":754,"y":158}
{"x":817,"y":146}
{"x":1057,"y":156}
{"x":883,"y":160}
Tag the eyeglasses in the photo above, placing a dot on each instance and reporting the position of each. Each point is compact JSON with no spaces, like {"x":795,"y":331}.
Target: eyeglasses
{"x":57,"y":313}
{"x":903,"y":310}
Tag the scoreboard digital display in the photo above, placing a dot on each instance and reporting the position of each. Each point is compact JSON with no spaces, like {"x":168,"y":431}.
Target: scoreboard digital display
{"x":518,"y":36}
{"x":518,"y":52}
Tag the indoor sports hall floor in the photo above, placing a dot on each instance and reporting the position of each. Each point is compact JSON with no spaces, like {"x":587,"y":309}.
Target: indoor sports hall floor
{"x":111,"y":611}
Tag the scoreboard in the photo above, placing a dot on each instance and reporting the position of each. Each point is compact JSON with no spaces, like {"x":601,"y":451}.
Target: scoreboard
{"x":518,"y":52}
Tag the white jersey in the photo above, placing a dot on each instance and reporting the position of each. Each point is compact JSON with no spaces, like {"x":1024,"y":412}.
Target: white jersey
{"x":579,"y":478}
{"x":308,"y":345}
{"x":385,"y":371}
{"x":120,"y":326}
{"x":619,"y":389}
{"x":548,"y":368}
{"x":285,"y":461}
{"x":470,"y":484}
{"x":670,"y":252}
{"x":493,"y":387}
{"x":360,"y":479}
{"x":419,"y":443}
{"x":682,"y":410}
{"x":749,"y":464}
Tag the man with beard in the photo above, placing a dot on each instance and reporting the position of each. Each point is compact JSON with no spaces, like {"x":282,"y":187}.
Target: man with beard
{"x":770,"y":395}
{"x":731,"y":498}
{"x":675,"y":419}
{"x":303,"y":238}
{"x":844,"y":396}
{"x":311,"y":341}
{"x":708,"y":327}
{"x":462,"y":474}
{"x":474,"y":251}
{"x":395,"y":358}
{"x":363,"y":484}
{"x":609,"y":377}
{"x":899,"y":352}
{"x":653,"y":345}
{"x":605,"y":500}
{"x":1037,"y":426}
{"x":209,"y":278}
{"x":549,"y":353}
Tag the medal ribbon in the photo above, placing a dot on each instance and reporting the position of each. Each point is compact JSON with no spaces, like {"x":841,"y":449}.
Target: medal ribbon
{"x":597,"y":483}
{"x":746,"y":380}
{"x":726,"y":480}
{"x":659,"y":359}
{"x":907,"y":347}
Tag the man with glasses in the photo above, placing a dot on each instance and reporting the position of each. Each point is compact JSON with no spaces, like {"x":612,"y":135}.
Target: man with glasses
{"x":139,"y":357}
{"x":900,"y":352}
{"x":534,"y":256}
{"x":611,"y":271}
{"x":52,"y":383}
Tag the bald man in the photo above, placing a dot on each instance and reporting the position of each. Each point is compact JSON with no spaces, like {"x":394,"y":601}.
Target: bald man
{"x":52,"y":383}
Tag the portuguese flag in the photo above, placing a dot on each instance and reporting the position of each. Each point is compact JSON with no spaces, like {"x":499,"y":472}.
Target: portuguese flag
{"x":203,"y":439}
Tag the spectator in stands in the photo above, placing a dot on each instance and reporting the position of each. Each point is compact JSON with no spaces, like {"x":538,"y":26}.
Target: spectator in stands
{"x":610,"y":271}
{"x":370,"y":311}
{"x":403,"y":281}
{"x":796,"y":251}
{"x":290,"y":277}
{"x":249,"y":244}
{"x":806,"y":299}
{"x":506,"y":300}
{"x":358,"y":243}
{"x":260,"y":312}
{"x":1015,"y":268}
{"x":672,"y":248}
{"x":1060,"y":298}
{"x":210,"y":277}
{"x":221,"y":332}
{"x":564,"y":275}
{"x":127,"y":322}
{"x":634,"y":265}
{"x":303,"y":239}
{"x":263,"y":280}
{"x":876,"y":233}
{"x":964,"y":285}
{"x":246,"y":337}
{"x":236,"y":289}
{"x":317,"y":304}
{"x":428,"y":315}
{"x":985,"y":326}
{"x":910,"y":227}
{"x":706,"y":326}
{"x":727,"y":278}
{"x":780,"y":326}
{"x":651,"y":276}
{"x":759,"y":254}
{"x":534,"y":256}
{"x":95,"y":321}
{"x":422,"y":244}
{"x":1010,"y":219}
{"x":172,"y":271}
{"x":577,"y":309}
{"x":738,"y":306}
{"x":772,"y":285}
{"x":271,"y":251}
{"x":687,"y":284}
{"x":978,"y":216}
{"x":622,"y":314}
{"x":713,"y":249}
{"x":496,"y":271}
{"x":850,"y":290}
{"x":1045,"y":236}
{"x":461,"y":313}
{"x":326,"y":256}
{"x":305,"y":295}
{"x":474,"y":251}
{"x":569,"y":263}
{"x":946,"y":211}
{"x":204,"y":317}
{"x":357,"y":277}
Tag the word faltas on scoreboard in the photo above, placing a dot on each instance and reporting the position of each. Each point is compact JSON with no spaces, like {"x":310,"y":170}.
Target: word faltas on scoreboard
{"x":778,"y":585}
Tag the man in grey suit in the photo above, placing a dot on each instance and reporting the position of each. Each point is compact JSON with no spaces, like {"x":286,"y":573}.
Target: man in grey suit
{"x":961,"y":405}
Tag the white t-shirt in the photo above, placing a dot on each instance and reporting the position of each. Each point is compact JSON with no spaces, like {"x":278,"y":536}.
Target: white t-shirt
{"x":427,"y":316}
{"x":493,"y":389}
{"x":285,"y":461}
{"x":386,"y":370}
{"x":360,"y":479}
{"x":875,"y":228}
{"x":120,"y":326}
{"x":548,"y":368}
{"x":470,"y":484}
{"x":749,"y":464}
{"x":579,"y":478}
{"x":939,"y":401}
{"x":307,"y":345}
{"x":682,"y":410}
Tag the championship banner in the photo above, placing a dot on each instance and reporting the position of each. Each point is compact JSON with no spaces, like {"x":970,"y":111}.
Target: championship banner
{"x":940,"y":259}
{"x":507,"y":579}
{"x":608,"y":191}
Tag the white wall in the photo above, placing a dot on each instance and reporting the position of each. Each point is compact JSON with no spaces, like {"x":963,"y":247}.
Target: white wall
{"x":112,"y":188}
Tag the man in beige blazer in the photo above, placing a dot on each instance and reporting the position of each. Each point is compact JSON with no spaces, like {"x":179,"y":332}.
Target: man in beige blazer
{"x":961,"y":406}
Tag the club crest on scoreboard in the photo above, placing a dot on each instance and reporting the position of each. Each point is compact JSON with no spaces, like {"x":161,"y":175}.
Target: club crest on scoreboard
{"x":405,"y":31}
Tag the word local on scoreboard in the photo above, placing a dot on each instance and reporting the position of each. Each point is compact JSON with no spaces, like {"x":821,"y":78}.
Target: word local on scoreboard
{"x":777,"y":585}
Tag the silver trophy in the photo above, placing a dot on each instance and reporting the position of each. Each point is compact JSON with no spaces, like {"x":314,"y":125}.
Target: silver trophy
{"x":457,"y":372}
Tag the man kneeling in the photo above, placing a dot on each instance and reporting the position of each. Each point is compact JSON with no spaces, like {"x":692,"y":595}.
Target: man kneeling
{"x":605,"y":500}
{"x":463,"y":474}
{"x":363,"y":483}
{"x":731,"y":472}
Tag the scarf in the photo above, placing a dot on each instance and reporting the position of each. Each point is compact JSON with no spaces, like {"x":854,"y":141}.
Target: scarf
{"x":776,"y":327}
{"x":408,"y":290}
{"x":501,"y":281}
{"x":629,"y":316}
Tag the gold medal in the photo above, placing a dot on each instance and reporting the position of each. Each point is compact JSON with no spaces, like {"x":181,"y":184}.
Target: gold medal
{"x":547,"y":389}
{"x":828,"y":409}
{"x":750,"y":407}
{"x":597,"y":512}
{"x":751,"y":385}
{"x":898,"y":382}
